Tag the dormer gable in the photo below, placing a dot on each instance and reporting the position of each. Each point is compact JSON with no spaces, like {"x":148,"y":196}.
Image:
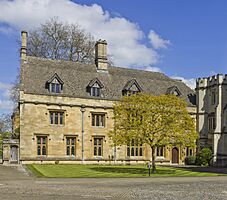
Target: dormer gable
{"x":94,"y":87}
{"x":131,"y":87}
{"x":55,"y":84}
{"x":174,"y":91}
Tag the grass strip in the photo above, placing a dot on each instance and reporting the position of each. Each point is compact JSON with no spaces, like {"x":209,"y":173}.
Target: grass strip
{"x":106,"y":171}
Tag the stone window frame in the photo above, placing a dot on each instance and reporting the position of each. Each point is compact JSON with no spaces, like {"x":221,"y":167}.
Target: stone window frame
{"x":70,"y":145}
{"x":160,"y":151}
{"x":213,"y":97}
{"x":189,"y":151}
{"x":211,"y":122}
{"x":127,"y":90}
{"x":41,"y":145}
{"x":134,"y":149}
{"x":59,"y":120}
{"x":98,"y":146}
{"x":95,"y":88}
{"x":101,"y":117}
{"x":55,"y":84}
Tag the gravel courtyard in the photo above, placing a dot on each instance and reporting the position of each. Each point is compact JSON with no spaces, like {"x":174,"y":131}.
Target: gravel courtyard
{"x":16,"y":183}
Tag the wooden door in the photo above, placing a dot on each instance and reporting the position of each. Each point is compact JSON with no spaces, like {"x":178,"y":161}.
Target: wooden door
{"x":175,"y":155}
{"x":14,"y":154}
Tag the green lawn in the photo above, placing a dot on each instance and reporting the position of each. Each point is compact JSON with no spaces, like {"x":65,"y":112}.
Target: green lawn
{"x":105,"y":171}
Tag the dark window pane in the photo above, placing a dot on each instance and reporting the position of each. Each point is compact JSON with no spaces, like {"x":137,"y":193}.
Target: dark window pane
{"x":95,"y":141}
{"x":191,"y":153}
{"x":53,"y":87}
{"x":67,"y":141}
{"x":141,"y":151}
{"x":132,"y":151}
{"x":57,"y":88}
{"x":38,"y":150}
{"x":61,"y":118}
{"x":93,"y":91}
{"x":128,"y":151}
{"x":56,"y":118}
{"x":98,"y":92}
{"x":93,"y":120}
{"x":136,"y":151}
{"x":95,"y":151}
{"x":51,"y":118}
{"x":68,"y":150}
{"x":100,"y":151}
{"x":44,"y":150}
{"x":73,"y":141}
{"x":73,"y":151}
{"x":44,"y":140}
{"x":97,"y":120}
{"x":161,"y":151}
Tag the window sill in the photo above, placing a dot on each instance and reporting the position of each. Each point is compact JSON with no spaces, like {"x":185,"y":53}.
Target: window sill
{"x":98,"y":157}
{"x":57,"y":125}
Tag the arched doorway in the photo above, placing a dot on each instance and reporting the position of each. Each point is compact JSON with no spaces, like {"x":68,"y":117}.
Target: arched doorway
{"x":175,"y":155}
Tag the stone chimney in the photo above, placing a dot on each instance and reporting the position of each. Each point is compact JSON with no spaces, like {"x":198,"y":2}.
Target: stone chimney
{"x":23,"y":50}
{"x":101,"y":55}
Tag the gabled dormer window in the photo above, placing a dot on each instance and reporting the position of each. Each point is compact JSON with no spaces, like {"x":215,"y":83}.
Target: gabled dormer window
{"x":55,"y":84}
{"x":174,"y":91}
{"x":95,"y":88}
{"x":131,"y":87}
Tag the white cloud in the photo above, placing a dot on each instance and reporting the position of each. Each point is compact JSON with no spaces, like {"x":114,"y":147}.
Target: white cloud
{"x":157,"y":42}
{"x":153,"y":69}
{"x":189,"y":82}
{"x":124,"y":37}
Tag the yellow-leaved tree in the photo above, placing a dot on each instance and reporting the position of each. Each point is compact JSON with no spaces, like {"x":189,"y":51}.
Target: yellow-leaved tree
{"x":153,"y":120}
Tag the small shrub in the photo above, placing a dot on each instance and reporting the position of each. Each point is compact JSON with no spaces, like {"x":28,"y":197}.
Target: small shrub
{"x":190,"y":160}
{"x":204,"y":157}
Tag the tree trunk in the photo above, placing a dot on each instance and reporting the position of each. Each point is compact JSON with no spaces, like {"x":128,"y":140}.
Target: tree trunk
{"x":153,"y":160}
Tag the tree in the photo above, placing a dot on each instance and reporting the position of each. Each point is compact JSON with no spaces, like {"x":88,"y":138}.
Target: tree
{"x":5,"y":128}
{"x":57,"y":40}
{"x":204,"y":157}
{"x":153,"y":120}
{"x":5,"y":123}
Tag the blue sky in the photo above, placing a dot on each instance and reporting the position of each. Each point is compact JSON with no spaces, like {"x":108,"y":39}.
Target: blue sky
{"x":185,"y":39}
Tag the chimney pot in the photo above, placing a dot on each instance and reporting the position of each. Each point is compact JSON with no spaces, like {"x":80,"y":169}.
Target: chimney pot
{"x":101,"y":55}
{"x":23,"y":51}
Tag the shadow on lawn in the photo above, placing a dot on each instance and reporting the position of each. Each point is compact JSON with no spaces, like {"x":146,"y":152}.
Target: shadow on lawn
{"x":219,"y":170}
{"x":138,"y":171}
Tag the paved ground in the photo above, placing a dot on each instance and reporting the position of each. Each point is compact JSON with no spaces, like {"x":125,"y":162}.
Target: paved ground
{"x":15,"y":183}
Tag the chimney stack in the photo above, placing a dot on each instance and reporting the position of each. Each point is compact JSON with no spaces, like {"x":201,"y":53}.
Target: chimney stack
{"x":101,"y":55}
{"x":23,"y":50}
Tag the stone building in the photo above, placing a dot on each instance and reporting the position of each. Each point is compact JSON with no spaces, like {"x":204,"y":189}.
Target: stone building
{"x":65,"y":109}
{"x":212,"y":116}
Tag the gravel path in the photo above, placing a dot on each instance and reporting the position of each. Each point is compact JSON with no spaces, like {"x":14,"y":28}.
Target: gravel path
{"x":15,"y":183}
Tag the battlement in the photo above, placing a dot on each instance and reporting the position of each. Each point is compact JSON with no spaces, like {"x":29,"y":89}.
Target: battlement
{"x":212,"y":80}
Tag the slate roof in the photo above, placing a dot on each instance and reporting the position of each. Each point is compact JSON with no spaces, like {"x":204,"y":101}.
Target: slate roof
{"x":77,"y":76}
